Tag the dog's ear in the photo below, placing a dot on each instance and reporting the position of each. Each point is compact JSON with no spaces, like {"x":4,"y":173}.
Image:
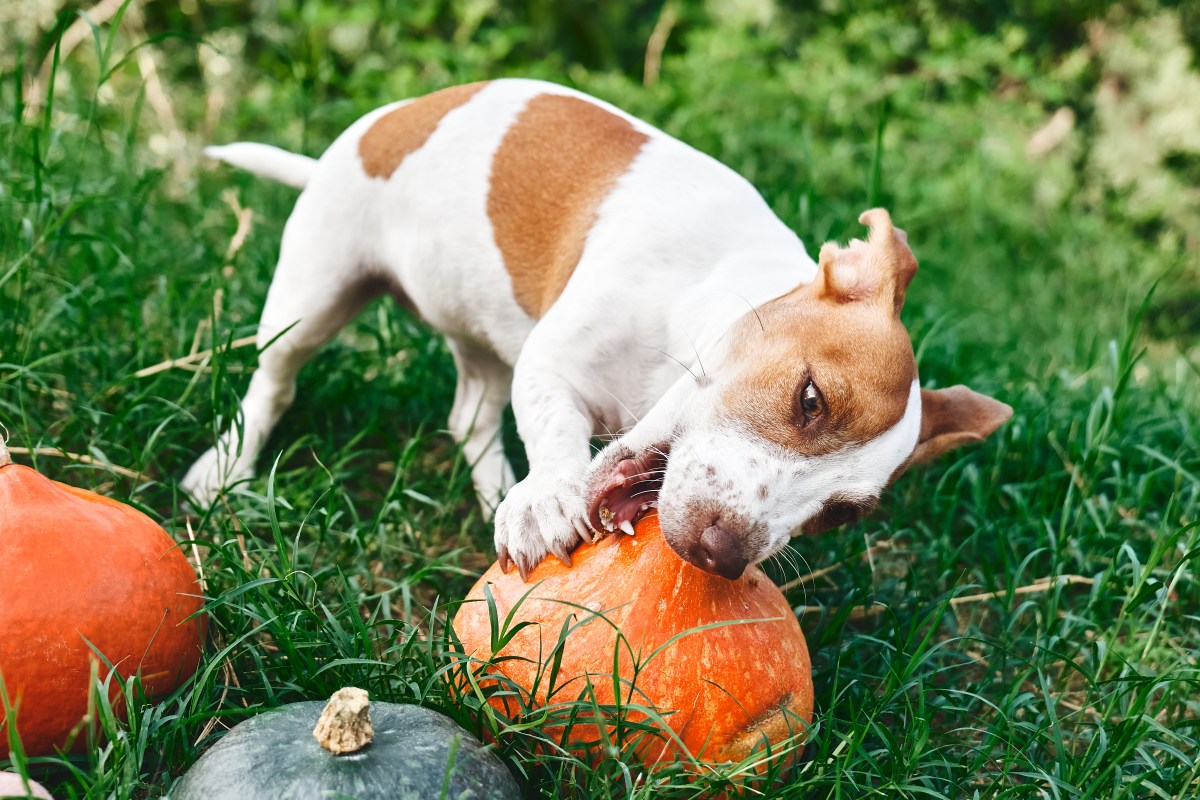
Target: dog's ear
{"x":878,"y":269}
{"x":954,"y":417}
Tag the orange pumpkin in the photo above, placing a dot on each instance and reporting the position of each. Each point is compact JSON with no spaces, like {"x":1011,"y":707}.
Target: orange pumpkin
{"x":724,"y":690}
{"x":81,"y":573}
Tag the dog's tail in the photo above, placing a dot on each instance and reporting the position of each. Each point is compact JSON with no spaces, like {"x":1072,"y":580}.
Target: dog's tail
{"x":292,"y":169}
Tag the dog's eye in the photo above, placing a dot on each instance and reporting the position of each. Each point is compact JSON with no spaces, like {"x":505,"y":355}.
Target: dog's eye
{"x":809,"y":402}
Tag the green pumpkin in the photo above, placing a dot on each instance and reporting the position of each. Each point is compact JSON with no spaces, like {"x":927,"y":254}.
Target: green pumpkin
{"x":412,"y":752}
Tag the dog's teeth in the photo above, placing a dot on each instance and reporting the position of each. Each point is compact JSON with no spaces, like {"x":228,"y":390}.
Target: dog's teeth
{"x":627,"y":526}
{"x":608,"y":526}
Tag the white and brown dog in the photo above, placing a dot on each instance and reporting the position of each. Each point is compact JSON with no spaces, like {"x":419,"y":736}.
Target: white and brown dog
{"x":606,"y":278}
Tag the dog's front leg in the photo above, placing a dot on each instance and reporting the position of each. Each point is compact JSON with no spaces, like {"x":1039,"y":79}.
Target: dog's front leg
{"x":546,"y":512}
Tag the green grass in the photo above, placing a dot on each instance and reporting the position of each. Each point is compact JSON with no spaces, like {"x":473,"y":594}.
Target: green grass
{"x":1017,"y":620}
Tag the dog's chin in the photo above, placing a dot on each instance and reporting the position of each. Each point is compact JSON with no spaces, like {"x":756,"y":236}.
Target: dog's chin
{"x":677,"y":531}
{"x":626,"y":488}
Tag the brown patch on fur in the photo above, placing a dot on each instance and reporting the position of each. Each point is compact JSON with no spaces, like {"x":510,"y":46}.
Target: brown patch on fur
{"x":860,"y":360}
{"x":557,"y":163}
{"x":956,"y":416}
{"x":402,"y":131}
{"x":951,"y":418}
{"x":843,"y":332}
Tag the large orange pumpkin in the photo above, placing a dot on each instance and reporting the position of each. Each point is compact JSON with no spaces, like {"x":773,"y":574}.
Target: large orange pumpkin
{"x":724,"y":690}
{"x":81,"y":573}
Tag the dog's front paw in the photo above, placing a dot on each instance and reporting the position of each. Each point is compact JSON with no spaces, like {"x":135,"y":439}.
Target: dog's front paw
{"x":540,"y":515}
{"x":211,"y":473}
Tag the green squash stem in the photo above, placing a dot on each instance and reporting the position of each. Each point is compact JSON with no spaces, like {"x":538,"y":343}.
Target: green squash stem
{"x":345,"y":724}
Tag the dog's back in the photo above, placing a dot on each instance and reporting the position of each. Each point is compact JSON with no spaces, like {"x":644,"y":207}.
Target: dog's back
{"x":487,"y":203}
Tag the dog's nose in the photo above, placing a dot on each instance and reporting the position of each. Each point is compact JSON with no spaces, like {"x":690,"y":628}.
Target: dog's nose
{"x":718,"y":552}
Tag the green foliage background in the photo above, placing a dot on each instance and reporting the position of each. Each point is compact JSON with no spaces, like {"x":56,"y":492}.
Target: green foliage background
{"x":1044,"y":158}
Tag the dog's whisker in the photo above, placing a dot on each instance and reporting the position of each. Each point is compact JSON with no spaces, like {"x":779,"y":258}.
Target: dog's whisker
{"x":696,"y":350}
{"x":636,"y":419}
{"x":677,"y":361}
{"x":648,"y":475}
{"x":750,"y":305}
{"x":802,"y":568}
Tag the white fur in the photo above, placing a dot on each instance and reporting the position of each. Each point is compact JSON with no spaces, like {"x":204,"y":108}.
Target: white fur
{"x":270,"y":162}
{"x":682,"y":248}
{"x":716,"y":459}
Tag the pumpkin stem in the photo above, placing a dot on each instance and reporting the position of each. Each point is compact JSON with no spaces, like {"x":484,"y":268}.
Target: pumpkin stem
{"x":5,"y":458}
{"x":345,"y":724}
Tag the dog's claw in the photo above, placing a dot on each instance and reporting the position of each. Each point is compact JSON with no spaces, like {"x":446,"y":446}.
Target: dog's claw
{"x":524,"y":567}
{"x":503,"y":558}
{"x":561,"y":553}
{"x":584,"y":530}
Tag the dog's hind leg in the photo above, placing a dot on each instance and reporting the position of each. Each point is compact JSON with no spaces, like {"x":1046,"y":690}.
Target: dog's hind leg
{"x":484,"y":388}
{"x":315,"y":292}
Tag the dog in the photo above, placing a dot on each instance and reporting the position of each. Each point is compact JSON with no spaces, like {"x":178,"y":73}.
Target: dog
{"x":608,"y":280}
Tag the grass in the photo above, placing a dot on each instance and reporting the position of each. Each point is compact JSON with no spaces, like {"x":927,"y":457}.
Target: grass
{"x":1018,"y":620}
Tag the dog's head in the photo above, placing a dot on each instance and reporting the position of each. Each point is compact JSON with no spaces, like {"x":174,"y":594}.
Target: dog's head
{"x":811,"y":409}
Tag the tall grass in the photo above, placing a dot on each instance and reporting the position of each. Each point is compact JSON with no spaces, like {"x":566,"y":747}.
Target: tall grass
{"x":1018,"y":620}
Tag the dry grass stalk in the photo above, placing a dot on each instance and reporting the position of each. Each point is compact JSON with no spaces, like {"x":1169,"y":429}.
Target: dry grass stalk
{"x":1043,"y":585}
{"x":202,"y":355}
{"x":82,"y":458}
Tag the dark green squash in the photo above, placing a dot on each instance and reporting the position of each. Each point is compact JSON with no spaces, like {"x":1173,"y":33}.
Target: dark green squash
{"x":386,"y":750}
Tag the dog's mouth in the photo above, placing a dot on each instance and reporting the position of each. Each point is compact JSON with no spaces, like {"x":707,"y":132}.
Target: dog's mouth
{"x":628,"y":491}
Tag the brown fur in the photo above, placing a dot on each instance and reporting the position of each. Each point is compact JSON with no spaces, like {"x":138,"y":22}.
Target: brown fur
{"x":843,"y":331}
{"x":856,"y":351}
{"x":953,"y":417}
{"x":861,"y":362}
{"x":556,"y":164}
{"x":402,"y":131}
